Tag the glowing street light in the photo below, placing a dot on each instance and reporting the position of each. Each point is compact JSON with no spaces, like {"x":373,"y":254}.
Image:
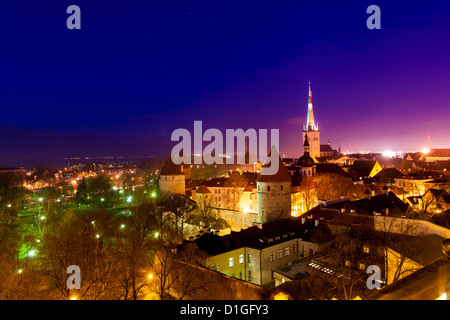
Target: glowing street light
{"x":153,"y":195}
{"x":31,"y":253}
{"x":122,"y":226}
{"x":129,"y":199}
{"x":150,"y":276}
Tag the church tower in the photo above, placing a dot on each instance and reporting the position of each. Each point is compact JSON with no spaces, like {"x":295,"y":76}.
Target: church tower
{"x":312,"y":129}
{"x":305,"y":163}
{"x":274,"y":193}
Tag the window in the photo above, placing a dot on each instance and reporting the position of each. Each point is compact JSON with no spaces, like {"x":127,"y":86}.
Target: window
{"x":279,"y":254}
{"x":268,"y":188}
{"x":366,"y":249}
{"x":215,"y":191}
{"x":240,"y":274}
{"x":218,"y":191}
{"x":294,"y":248}
{"x":231,"y":262}
{"x":311,"y":251}
{"x":348,"y":263}
{"x":281,"y":187}
{"x":272,"y":256}
{"x":249,"y":258}
{"x":213,"y":267}
{"x":241,"y":259}
{"x":286,"y":251}
{"x":249,"y":277}
{"x":218,"y":267}
{"x":362,"y":266}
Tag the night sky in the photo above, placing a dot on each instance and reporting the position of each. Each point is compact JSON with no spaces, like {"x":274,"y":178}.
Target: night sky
{"x":137,"y":70}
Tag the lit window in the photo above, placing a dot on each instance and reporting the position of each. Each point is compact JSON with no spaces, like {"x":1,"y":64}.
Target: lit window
{"x":279,"y":254}
{"x":241,"y":259}
{"x":218,"y":267}
{"x":286,"y":251}
{"x":366,"y":249}
{"x":249,"y":258}
{"x":362,"y":266}
{"x":294,"y":248}
{"x":348,"y":263}
{"x":231,"y":262}
{"x":272,"y":256}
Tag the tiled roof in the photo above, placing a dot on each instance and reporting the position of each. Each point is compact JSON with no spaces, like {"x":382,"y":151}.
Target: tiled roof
{"x":254,"y":237}
{"x":364,"y":167}
{"x":282,"y":175}
{"x":171,"y":169}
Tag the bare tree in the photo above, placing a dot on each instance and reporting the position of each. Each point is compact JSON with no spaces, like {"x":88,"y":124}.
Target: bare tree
{"x":82,"y":241}
{"x":234,"y":190}
{"x":308,"y":193}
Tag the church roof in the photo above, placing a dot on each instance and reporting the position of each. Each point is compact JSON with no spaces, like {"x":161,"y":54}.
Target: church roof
{"x":305,"y":161}
{"x":326,"y":148}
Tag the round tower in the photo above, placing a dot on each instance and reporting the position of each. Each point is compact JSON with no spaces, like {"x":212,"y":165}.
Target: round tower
{"x":274,"y":194}
{"x":172,"y":178}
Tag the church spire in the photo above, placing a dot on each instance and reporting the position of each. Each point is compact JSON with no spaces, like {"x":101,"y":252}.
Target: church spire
{"x":310,"y":125}
{"x":306,"y":145}
{"x":310,"y":93}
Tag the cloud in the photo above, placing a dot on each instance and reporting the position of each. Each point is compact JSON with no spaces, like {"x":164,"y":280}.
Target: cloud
{"x":296,"y":121}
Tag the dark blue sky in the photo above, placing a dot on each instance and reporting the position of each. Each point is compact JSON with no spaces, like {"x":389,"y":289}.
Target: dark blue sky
{"x":137,"y":70}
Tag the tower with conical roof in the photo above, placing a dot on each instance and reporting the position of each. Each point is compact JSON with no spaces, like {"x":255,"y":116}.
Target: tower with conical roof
{"x":311,"y":129}
{"x":172,"y":178}
{"x":274,"y":193}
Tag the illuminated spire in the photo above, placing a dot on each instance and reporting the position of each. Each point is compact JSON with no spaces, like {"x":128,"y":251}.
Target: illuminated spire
{"x":310,"y":125}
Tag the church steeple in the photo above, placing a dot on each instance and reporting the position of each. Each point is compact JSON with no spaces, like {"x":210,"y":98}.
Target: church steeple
{"x":310,"y":125}
{"x":306,"y":145}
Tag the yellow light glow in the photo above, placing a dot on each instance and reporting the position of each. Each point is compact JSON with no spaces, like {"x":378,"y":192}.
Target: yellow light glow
{"x":425,"y":150}
{"x":247,"y":209}
{"x":73,"y":298}
{"x":150,"y":276}
{"x":442,"y":296}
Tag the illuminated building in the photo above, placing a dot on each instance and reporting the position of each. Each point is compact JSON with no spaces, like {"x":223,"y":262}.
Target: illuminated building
{"x":312,"y":129}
